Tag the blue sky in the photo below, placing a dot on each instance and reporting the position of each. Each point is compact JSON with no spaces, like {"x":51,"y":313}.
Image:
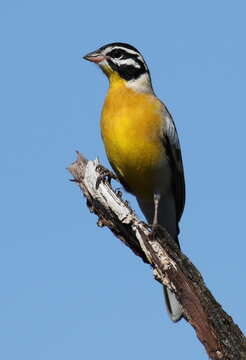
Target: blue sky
{"x":70,"y":290}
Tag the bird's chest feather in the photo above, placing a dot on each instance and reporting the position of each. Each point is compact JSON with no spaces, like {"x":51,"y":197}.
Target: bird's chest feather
{"x":131,"y":126}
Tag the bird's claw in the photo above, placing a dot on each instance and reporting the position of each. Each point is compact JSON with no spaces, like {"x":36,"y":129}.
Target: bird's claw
{"x":118,"y":192}
{"x":104,"y":174}
{"x":156,"y":231}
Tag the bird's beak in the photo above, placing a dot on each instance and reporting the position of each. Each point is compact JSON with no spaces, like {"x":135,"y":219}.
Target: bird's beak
{"x":95,"y":57}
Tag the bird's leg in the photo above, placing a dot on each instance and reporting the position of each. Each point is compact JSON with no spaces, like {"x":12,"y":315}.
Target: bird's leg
{"x":156,"y":204}
{"x":104,"y":174}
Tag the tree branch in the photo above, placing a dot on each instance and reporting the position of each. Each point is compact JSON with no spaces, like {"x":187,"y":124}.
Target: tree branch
{"x":216,"y":330}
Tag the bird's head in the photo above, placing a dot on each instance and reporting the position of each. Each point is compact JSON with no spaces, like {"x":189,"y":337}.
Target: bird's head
{"x":120,"y":61}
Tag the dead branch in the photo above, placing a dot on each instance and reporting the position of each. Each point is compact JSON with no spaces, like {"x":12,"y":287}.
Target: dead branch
{"x":216,"y":330}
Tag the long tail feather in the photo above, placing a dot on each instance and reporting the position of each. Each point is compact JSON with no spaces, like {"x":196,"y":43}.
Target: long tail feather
{"x":167,"y":219}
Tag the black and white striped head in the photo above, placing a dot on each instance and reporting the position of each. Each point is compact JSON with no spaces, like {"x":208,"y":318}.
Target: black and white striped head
{"x":125,"y":61}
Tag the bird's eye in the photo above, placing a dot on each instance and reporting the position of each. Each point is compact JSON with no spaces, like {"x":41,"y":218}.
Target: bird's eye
{"x":117,"y":53}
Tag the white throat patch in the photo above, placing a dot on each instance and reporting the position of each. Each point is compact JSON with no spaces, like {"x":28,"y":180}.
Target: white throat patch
{"x":142,"y":84}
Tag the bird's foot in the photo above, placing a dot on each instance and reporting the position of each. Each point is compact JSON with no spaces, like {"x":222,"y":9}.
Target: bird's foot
{"x":118,"y":192}
{"x":104,"y":175}
{"x":156,"y":231}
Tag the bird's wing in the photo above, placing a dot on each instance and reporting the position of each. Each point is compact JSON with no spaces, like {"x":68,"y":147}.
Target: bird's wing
{"x":171,"y":141}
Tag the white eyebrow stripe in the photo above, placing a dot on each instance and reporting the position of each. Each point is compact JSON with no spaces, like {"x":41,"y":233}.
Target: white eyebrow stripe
{"x":125,"y":49}
{"x":139,"y":56}
{"x":129,"y":51}
{"x":107,"y":50}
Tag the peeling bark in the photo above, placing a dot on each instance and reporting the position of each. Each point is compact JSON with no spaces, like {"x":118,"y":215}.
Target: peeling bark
{"x":216,"y":330}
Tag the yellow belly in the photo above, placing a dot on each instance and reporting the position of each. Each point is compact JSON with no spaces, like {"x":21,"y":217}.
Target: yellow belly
{"x":131,"y":126}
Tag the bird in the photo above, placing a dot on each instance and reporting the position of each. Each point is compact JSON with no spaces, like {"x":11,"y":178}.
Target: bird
{"x":141,"y":143}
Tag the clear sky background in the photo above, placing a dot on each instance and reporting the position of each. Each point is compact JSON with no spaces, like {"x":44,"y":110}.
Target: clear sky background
{"x":70,"y":290}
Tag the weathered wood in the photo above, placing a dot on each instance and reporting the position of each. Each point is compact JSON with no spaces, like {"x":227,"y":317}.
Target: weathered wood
{"x":216,"y":330}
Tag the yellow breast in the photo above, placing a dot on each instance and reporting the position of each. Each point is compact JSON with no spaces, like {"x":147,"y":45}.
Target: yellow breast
{"x":131,"y":126}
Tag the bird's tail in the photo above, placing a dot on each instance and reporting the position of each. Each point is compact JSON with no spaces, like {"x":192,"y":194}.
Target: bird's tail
{"x":167,"y":219}
{"x":174,"y":308}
